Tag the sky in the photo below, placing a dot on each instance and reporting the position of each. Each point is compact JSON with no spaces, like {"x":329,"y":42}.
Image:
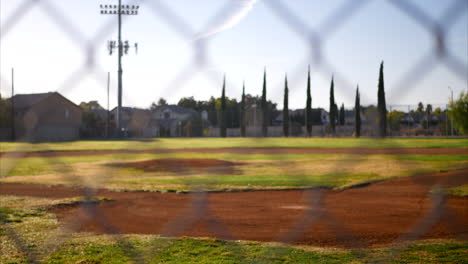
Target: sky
{"x":56,"y":45}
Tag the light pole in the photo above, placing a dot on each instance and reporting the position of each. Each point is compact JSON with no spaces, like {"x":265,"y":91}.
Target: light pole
{"x":108,"y":113}
{"x":451,"y":119}
{"x":13,"y":136}
{"x":254,"y":106}
{"x":119,"y":10}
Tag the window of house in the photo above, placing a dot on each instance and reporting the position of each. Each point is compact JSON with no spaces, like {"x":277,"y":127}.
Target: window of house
{"x":167,"y":115}
{"x":67,"y":114}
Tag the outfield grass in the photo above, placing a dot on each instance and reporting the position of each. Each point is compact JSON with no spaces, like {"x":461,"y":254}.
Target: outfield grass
{"x":187,"y":143}
{"x":256,"y":171}
{"x":41,"y":235}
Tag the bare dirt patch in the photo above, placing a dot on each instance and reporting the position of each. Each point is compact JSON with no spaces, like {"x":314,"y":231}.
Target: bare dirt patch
{"x":374,"y":215}
{"x":184,"y":166}
{"x":359,"y":151}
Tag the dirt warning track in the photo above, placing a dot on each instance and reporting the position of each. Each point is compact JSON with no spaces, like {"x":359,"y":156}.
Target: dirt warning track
{"x":377,"y":214}
{"x":360,"y":150}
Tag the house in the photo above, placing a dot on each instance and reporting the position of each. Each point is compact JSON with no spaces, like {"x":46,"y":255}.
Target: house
{"x":407,"y":120}
{"x":135,"y":122}
{"x":46,"y":117}
{"x":350,"y":117}
{"x":173,"y":120}
{"x":319,"y":116}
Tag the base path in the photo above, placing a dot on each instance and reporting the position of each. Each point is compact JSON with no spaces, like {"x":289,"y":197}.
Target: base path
{"x":360,"y":150}
{"x":373,"y":215}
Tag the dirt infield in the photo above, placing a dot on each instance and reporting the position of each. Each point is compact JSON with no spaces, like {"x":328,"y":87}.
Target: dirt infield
{"x":360,"y":150}
{"x":373,"y":215}
{"x":184,"y":166}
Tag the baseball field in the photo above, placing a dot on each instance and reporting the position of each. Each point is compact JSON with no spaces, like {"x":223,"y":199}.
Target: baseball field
{"x":235,"y":200}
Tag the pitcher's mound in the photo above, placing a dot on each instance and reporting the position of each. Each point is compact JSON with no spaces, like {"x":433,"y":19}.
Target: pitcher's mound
{"x":187,"y":166}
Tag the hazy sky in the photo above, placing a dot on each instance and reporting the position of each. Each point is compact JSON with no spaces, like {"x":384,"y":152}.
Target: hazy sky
{"x":49,"y":43}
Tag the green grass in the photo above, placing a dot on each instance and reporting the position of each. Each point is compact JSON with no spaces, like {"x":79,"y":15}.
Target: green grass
{"x":433,"y":158}
{"x":153,"y":249}
{"x":456,"y":191}
{"x":459,"y":191}
{"x":255,"y":171}
{"x":189,"y":250}
{"x":187,"y":143}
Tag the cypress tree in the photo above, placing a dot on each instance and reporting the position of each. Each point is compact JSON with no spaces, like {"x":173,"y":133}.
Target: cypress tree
{"x":286,"y":108}
{"x":264,"y":108}
{"x":222,"y":123}
{"x":242,"y":112}
{"x":308,"y":112}
{"x":332,"y":107}
{"x":357,"y":113}
{"x":381,"y":105}
{"x":342,"y":115}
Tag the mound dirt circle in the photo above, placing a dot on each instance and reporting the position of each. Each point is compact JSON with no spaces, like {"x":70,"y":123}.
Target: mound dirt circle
{"x":374,"y":215}
{"x":181,"y":165}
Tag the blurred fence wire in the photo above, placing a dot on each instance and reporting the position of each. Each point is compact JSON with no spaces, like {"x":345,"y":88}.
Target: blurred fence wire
{"x":402,"y":123}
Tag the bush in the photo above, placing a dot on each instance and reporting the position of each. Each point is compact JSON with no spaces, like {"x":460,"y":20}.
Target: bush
{"x":458,"y":112}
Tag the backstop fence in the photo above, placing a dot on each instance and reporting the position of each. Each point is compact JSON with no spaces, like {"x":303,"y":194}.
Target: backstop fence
{"x":407,"y":122}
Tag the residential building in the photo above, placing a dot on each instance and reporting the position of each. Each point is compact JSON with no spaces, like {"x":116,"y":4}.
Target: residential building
{"x":46,"y":117}
{"x":176,"y":121}
{"x":136,"y":122}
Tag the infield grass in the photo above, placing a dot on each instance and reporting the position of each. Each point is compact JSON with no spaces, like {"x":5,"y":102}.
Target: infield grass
{"x":255,"y":171}
{"x":188,"y":143}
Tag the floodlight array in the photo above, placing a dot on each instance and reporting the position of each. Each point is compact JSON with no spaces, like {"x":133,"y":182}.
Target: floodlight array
{"x":112,"y":45}
{"x":123,"y":9}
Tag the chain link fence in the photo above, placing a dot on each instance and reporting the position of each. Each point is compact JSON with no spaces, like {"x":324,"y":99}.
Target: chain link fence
{"x":404,"y":120}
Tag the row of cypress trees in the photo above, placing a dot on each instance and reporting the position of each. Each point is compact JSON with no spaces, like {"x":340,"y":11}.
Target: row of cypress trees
{"x":263,"y":105}
{"x":333,"y":110}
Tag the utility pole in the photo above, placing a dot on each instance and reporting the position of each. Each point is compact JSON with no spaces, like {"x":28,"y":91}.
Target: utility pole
{"x":13,"y":136}
{"x":108,"y":113}
{"x":121,"y":47}
{"x":451,"y":119}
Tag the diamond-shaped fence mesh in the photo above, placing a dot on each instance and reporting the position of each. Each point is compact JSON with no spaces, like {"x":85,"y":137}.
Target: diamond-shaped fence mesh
{"x":201,"y":212}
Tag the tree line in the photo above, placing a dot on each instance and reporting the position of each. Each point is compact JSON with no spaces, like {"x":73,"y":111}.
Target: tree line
{"x":225,"y":112}
{"x":336,"y":116}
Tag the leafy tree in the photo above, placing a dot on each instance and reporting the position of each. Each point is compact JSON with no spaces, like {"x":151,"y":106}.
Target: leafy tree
{"x":286,"y":109}
{"x":92,"y":125}
{"x":242,"y":112}
{"x":253,"y":105}
{"x":357,"y":113}
{"x":381,"y":105}
{"x":420,"y":108}
{"x":188,"y":102}
{"x":394,"y":119}
{"x":428,"y":115}
{"x":308,"y":112}
{"x":428,"y":109}
{"x":438,"y":111}
{"x":332,"y":107}
{"x":161,"y":102}
{"x":5,"y":113}
{"x":264,"y":106}
{"x":458,"y":112}
{"x":342,"y":115}
{"x":222,"y":120}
